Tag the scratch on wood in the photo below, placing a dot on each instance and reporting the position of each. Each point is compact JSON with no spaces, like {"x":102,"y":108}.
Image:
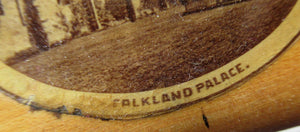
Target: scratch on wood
{"x":205,"y":120}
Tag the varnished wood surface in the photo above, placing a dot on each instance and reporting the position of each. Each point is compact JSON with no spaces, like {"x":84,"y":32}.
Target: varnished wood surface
{"x":268,"y":101}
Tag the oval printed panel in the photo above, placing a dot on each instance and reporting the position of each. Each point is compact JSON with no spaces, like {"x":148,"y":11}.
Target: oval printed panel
{"x":125,"y":59}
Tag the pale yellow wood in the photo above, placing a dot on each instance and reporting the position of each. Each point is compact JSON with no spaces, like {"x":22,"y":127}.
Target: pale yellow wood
{"x":268,"y":101}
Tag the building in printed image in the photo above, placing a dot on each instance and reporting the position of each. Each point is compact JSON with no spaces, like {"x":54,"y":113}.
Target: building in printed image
{"x":49,"y":23}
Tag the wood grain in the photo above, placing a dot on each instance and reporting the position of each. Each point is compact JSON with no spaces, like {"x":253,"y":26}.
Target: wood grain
{"x":269,"y":101}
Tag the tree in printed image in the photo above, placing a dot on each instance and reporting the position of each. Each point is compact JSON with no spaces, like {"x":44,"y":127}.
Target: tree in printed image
{"x":37,"y":35}
{"x":130,"y":10}
{"x":1,"y":9}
